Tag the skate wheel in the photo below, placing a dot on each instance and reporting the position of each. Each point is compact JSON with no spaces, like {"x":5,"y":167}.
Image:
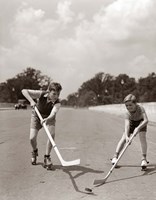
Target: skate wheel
{"x":49,"y":167}
{"x":44,"y":165}
{"x":33,"y":162}
{"x":143,"y":168}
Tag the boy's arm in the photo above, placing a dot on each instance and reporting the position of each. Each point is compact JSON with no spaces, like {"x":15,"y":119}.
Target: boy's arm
{"x":31,"y":94}
{"x":127,"y":127}
{"x":53,"y":113}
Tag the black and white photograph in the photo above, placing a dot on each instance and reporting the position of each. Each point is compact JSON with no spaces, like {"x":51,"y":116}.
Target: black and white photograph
{"x":77,"y":99}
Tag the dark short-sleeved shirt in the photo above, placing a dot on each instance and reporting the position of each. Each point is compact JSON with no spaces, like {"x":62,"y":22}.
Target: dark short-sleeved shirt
{"x":44,"y":106}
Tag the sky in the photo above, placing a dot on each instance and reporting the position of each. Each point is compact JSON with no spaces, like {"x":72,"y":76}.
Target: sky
{"x":72,"y":40}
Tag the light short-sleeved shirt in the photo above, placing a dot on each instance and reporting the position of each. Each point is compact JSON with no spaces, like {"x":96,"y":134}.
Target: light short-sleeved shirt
{"x":135,"y":118}
{"x":137,"y":115}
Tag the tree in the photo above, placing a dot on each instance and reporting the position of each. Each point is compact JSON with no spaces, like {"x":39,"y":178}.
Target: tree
{"x":5,"y":95}
{"x":72,"y":99}
{"x":98,"y":86}
{"x":147,"y":89}
{"x":28,"y":79}
{"x":124,"y":85}
{"x":87,"y":98}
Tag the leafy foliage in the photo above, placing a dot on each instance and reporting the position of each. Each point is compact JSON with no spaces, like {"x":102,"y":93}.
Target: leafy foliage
{"x":29,"y":79}
{"x":107,"y":89}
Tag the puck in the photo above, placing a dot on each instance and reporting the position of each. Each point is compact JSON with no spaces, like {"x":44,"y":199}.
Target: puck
{"x":88,"y":189}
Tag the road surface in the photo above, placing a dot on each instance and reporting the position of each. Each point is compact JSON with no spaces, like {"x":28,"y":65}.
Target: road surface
{"x":80,"y":133}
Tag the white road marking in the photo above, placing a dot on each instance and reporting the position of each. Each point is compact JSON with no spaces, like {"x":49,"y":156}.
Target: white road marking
{"x":68,"y":148}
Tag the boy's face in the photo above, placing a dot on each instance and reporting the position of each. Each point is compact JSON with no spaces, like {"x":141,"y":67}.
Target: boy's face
{"x":131,"y":107}
{"x":53,"y":95}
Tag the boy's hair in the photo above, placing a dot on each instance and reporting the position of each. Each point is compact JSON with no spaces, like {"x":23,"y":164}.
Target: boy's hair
{"x":130,"y":97}
{"x":55,"y":86}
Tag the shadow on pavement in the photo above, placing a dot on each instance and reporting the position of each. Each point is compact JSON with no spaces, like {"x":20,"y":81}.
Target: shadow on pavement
{"x":151,"y":169}
{"x":81,"y":170}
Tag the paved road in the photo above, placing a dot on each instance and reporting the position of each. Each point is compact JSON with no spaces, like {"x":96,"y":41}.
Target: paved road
{"x":84,"y":134}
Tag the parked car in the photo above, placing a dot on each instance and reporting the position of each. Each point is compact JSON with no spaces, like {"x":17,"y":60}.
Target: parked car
{"x":21,"y":104}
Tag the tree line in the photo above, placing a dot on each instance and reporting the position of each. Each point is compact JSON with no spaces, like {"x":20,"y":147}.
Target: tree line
{"x":102,"y":89}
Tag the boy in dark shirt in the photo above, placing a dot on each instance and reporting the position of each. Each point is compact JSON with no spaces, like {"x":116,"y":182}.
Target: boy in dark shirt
{"x":48,"y":105}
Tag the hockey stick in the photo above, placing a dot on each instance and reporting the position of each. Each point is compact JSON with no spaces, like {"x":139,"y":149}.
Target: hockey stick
{"x":63,"y":162}
{"x":102,"y":181}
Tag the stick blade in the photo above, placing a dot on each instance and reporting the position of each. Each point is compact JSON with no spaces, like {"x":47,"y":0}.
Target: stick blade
{"x":99,"y":181}
{"x":71,"y":163}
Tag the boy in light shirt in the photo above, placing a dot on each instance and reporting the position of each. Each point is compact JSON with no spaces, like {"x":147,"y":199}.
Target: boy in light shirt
{"x":135,"y":122}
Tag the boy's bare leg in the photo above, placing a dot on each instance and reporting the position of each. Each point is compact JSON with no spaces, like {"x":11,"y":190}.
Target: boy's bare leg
{"x":33,"y":142}
{"x":49,"y":145}
{"x":47,"y":159}
{"x":120,"y":144}
{"x":142,"y":136}
{"x":119,"y":147}
{"x":33,"y":138}
{"x":143,"y":141}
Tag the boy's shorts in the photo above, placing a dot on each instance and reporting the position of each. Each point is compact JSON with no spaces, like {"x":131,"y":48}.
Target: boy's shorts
{"x":36,"y":124}
{"x":134,"y":124}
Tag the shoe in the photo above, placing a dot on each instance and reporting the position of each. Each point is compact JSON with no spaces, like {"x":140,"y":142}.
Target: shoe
{"x":47,"y":162}
{"x":34,"y":157}
{"x":144,"y":164}
{"x":114,"y":160}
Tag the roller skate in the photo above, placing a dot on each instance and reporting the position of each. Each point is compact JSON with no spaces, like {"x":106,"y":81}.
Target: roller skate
{"x":144,"y":164}
{"x":47,"y":162}
{"x":113,"y":161}
{"x":34,"y":157}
